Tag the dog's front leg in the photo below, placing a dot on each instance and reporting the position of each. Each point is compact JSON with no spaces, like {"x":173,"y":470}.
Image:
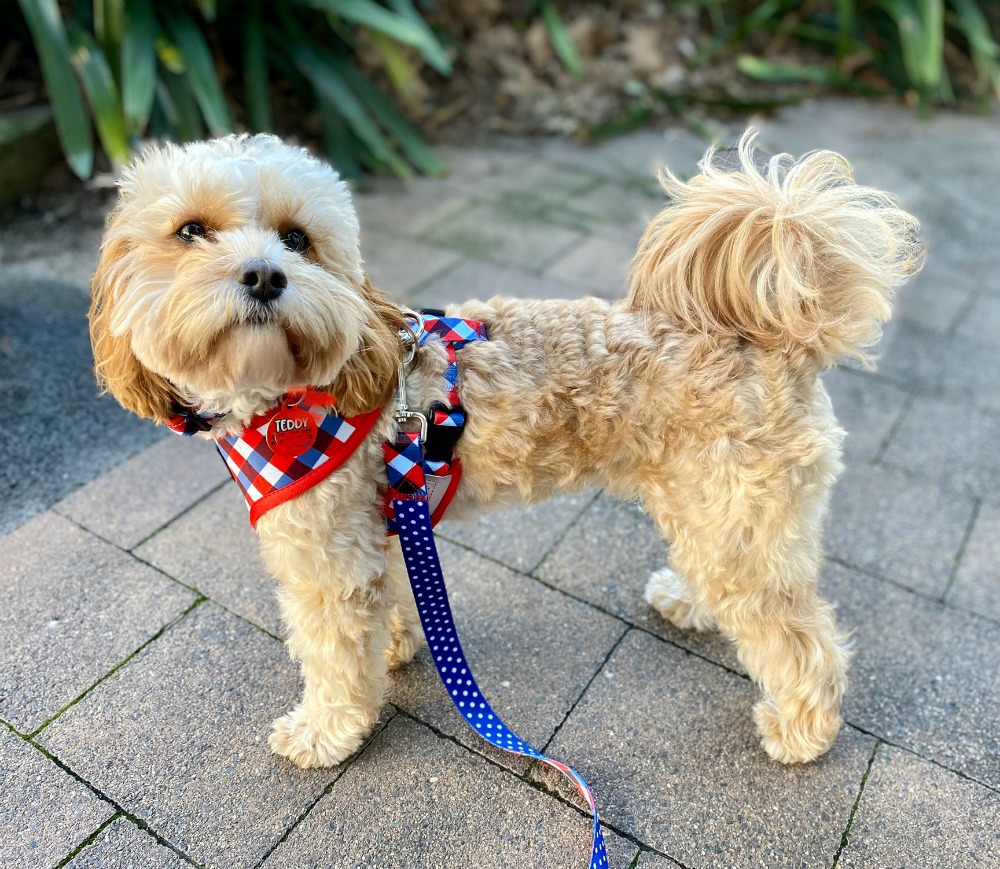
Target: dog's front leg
{"x":337,"y":603}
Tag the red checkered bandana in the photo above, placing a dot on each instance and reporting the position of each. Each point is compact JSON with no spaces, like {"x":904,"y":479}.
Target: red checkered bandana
{"x":288,"y":450}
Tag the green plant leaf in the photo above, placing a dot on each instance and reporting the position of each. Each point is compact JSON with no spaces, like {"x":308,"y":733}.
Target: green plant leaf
{"x":369,"y":14}
{"x":433,"y":52}
{"x":337,"y":140}
{"x":72,"y":123}
{"x":403,"y":75}
{"x":109,"y":29}
{"x":208,"y":8}
{"x":416,"y":150}
{"x":102,"y":94}
{"x":765,"y":70}
{"x":984,"y":50}
{"x":179,"y":106}
{"x":201,"y":73}
{"x":138,"y":70}
{"x":169,"y":54}
{"x":255,"y":73}
{"x":316,"y":67}
{"x":562,"y":44}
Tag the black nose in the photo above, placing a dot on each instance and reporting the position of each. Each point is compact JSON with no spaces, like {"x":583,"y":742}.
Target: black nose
{"x":263,"y":279}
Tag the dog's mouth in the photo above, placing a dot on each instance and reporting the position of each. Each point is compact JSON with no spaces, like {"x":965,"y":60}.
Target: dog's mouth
{"x":260,"y":315}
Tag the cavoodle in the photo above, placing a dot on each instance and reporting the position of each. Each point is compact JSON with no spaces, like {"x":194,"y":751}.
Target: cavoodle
{"x":231,"y":285}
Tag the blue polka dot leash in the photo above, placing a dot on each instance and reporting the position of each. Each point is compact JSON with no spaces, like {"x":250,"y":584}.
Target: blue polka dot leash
{"x":405,"y":467}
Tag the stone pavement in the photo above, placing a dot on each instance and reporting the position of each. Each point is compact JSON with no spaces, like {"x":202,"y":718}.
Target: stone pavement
{"x":140,"y":651}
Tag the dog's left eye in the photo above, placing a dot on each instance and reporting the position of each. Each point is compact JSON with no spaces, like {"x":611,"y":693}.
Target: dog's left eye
{"x":296,"y":240}
{"x":190,"y":231}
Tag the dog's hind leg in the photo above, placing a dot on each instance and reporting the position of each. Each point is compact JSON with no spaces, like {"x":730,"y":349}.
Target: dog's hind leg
{"x":749,"y":547}
{"x":404,"y":623}
{"x":669,"y":594}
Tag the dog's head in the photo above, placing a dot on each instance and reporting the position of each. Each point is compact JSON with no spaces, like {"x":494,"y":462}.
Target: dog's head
{"x":230,"y":272}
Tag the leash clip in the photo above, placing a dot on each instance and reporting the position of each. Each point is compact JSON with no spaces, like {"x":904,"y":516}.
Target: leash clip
{"x":403,"y":416}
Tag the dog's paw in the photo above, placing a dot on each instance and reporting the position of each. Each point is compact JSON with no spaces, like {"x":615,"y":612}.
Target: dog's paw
{"x":305,"y":745}
{"x":404,"y":647}
{"x":795,"y":738}
{"x":668,"y":595}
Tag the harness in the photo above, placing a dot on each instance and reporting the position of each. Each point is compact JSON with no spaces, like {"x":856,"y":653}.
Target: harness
{"x":289,"y":449}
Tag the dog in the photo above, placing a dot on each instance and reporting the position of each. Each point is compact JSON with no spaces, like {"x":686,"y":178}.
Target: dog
{"x":231,"y":273}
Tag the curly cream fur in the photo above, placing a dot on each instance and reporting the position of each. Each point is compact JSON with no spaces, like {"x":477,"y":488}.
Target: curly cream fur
{"x":697,"y":394}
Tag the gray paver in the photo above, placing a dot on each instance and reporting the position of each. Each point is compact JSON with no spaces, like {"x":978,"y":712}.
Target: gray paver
{"x":950,"y":442}
{"x":415,"y":799}
{"x":924,"y":675}
{"x":600,"y":265}
{"x":977,"y":582}
{"x":655,"y":861}
{"x":213,"y":549}
{"x":958,"y":366}
{"x":483,"y":280}
{"x":914,"y":813}
{"x":44,"y":812}
{"x":129,"y":503}
{"x":178,"y":737}
{"x":982,"y":321}
{"x":866,"y":408}
{"x":683,"y":770}
{"x":396,"y":265}
{"x":509,"y":625}
{"x":74,"y":606}
{"x":519,"y":537}
{"x":407,"y":210}
{"x":122,"y":845}
{"x":901,"y":528}
{"x":487,"y":231}
{"x":606,"y":559}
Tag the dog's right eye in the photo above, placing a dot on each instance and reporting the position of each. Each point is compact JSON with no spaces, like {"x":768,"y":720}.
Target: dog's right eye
{"x":190,"y":231}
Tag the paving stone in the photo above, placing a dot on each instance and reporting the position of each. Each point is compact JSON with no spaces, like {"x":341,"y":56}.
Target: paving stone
{"x":601,"y":264}
{"x":902,"y":528}
{"x":866,"y":407}
{"x":950,"y":442}
{"x":53,"y":445}
{"x":549,"y":181}
{"x":396,"y":265}
{"x":955,"y":365}
{"x":982,"y":321}
{"x":475,"y":279}
{"x":511,"y":627}
{"x":74,"y":606}
{"x":415,"y":799}
{"x":486,"y":231}
{"x":177,"y":737}
{"x":606,"y":559}
{"x":407,"y":210}
{"x":637,"y":156}
{"x":924,"y":675}
{"x":44,"y":812}
{"x":519,"y":537}
{"x":655,"y":861}
{"x":213,"y":549}
{"x":684,"y":773}
{"x":977,"y":582}
{"x":933,"y":303}
{"x":128,"y":504}
{"x":619,"y":211}
{"x":122,"y":845}
{"x":913,"y":813}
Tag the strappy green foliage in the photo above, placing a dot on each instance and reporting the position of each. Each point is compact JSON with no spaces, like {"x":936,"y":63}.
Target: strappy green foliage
{"x":916,"y":46}
{"x":184,"y":69}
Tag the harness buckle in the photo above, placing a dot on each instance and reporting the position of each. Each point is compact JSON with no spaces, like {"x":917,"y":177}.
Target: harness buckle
{"x":403,"y":416}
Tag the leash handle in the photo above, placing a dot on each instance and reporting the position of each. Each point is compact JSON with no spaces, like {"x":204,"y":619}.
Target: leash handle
{"x":404,"y":464}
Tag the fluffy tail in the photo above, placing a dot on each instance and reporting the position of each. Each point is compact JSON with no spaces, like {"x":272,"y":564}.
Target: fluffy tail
{"x":791,"y":255}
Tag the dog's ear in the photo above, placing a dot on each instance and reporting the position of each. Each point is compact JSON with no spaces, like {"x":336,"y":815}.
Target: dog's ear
{"x":116,"y":367}
{"x":368,"y":378}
